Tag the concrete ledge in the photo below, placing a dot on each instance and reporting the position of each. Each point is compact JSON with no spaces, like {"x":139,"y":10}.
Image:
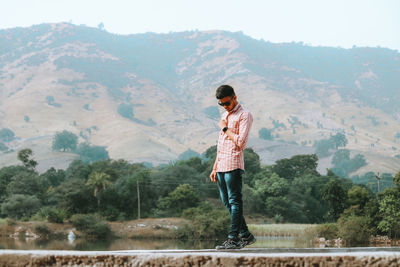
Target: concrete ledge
{"x":244,"y":257}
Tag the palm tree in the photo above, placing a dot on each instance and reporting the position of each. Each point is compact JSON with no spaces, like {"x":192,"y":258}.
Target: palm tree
{"x":99,"y":181}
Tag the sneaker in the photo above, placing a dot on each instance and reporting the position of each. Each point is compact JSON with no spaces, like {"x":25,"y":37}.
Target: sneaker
{"x":229,"y":244}
{"x":245,"y":241}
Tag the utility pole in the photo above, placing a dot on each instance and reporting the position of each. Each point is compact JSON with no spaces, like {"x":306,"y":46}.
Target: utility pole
{"x":138,"y":197}
{"x":379,"y":182}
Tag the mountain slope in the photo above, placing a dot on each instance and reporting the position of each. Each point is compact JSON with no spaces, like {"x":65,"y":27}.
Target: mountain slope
{"x":56,"y":77}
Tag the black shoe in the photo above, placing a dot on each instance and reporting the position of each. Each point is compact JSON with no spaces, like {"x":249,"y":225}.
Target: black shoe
{"x":229,"y":244}
{"x":245,"y":241}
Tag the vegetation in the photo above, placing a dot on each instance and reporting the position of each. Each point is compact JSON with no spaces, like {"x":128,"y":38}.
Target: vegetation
{"x":6,"y":135}
{"x":24,"y":156}
{"x":289,"y":191}
{"x":266,"y":134}
{"x":324,"y":146}
{"x":65,"y":141}
{"x":126,"y":110}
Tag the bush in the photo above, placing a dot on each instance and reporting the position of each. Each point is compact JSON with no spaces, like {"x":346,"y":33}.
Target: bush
{"x":90,"y":225}
{"x":265,"y":134}
{"x":20,"y":206}
{"x":52,"y":214}
{"x":206,"y":222}
{"x":6,"y":135}
{"x":42,"y":230}
{"x":90,"y":153}
{"x":126,"y":110}
{"x":327,"y":230}
{"x":354,"y":229}
{"x":183,"y":197}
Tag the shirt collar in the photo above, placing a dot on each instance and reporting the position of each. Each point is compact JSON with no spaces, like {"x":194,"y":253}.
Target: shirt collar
{"x":236,"y":108}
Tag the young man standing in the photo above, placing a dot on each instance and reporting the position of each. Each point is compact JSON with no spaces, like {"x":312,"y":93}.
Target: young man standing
{"x":229,"y":165}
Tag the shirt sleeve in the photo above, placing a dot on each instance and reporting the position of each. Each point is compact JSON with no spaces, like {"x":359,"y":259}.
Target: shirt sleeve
{"x":245,"y":122}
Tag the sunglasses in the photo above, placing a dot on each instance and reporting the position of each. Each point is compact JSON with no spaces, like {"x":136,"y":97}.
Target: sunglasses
{"x":227,"y":103}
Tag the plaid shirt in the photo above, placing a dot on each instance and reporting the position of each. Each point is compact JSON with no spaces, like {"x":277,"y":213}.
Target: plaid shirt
{"x":230,"y":154}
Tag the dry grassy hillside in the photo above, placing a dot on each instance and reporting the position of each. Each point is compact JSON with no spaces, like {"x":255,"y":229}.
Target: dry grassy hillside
{"x":169,"y":81}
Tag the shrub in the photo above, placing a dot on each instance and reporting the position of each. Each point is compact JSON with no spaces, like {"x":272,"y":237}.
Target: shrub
{"x":10,"y":222}
{"x":184,"y":196}
{"x":354,"y":229}
{"x":126,"y":110}
{"x":52,"y":214}
{"x":327,"y":230}
{"x":42,"y":230}
{"x":90,"y":153}
{"x":265,"y":134}
{"x":90,"y":225}
{"x":19,"y":206}
{"x":6,"y":135}
{"x":205,"y":222}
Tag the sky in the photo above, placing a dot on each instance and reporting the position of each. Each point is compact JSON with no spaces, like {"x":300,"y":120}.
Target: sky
{"x":336,"y":23}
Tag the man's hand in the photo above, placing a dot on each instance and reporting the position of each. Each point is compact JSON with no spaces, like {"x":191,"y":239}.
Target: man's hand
{"x":222,"y":124}
{"x":213,"y":176}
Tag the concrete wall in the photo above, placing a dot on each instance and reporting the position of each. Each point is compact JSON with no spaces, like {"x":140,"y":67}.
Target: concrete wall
{"x":195,"y":258}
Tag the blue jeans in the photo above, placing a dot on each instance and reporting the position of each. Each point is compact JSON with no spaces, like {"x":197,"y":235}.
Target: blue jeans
{"x":230,"y":189}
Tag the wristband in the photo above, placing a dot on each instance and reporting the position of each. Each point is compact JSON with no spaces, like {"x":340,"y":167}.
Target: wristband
{"x":225,"y":129}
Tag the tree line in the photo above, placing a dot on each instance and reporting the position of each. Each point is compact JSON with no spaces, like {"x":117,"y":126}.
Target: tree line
{"x":291,"y":190}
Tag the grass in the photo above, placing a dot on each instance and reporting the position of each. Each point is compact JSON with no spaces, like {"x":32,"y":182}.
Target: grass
{"x":292,"y":230}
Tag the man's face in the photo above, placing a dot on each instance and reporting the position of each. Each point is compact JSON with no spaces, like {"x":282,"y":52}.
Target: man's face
{"x":228,"y":102}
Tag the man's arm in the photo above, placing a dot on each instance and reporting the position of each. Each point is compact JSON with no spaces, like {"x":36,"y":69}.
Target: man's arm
{"x":244,"y":129}
{"x":213,"y":175}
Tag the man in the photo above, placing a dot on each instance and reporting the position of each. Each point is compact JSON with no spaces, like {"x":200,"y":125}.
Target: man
{"x":229,"y":165}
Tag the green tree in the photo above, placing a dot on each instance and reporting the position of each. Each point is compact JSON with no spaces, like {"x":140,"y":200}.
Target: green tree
{"x":53,"y":176}
{"x":265,"y":134}
{"x":78,"y":169}
{"x":73,"y":196}
{"x":389,"y":209}
{"x":396,"y":179}
{"x":183,"y":197}
{"x":28,"y":183}
{"x":65,"y":141}
{"x":343,"y":165}
{"x":6,"y":175}
{"x":24,"y":156}
{"x":296,"y":166}
{"x":336,"y":197}
{"x":99,"y":181}
{"x":90,"y":153}
{"x":18,"y":206}
{"x":6,"y":135}
{"x":126,"y":110}
{"x":359,"y":196}
{"x":338,"y":140}
{"x":322,"y":147}
{"x":125,"y":195}
{"x":188,"y":154}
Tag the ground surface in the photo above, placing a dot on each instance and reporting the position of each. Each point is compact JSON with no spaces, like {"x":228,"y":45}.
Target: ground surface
{"x":244,"y":257}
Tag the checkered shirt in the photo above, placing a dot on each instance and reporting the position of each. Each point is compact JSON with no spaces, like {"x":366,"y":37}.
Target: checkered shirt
{"x":230,"y":154}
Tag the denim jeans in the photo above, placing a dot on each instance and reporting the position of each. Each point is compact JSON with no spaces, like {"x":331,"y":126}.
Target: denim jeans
{"x":230,"y":189}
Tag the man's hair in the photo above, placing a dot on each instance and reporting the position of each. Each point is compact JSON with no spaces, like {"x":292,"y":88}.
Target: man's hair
{"x":224,"y":91}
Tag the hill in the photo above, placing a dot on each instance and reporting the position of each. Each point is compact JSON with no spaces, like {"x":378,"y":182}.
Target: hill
{"x":56,"y":77}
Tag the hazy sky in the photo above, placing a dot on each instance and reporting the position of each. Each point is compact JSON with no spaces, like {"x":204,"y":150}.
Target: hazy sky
{"x":339,"y":23}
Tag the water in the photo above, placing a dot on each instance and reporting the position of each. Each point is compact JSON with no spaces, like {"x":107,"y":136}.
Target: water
{"x":142,"y":244}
